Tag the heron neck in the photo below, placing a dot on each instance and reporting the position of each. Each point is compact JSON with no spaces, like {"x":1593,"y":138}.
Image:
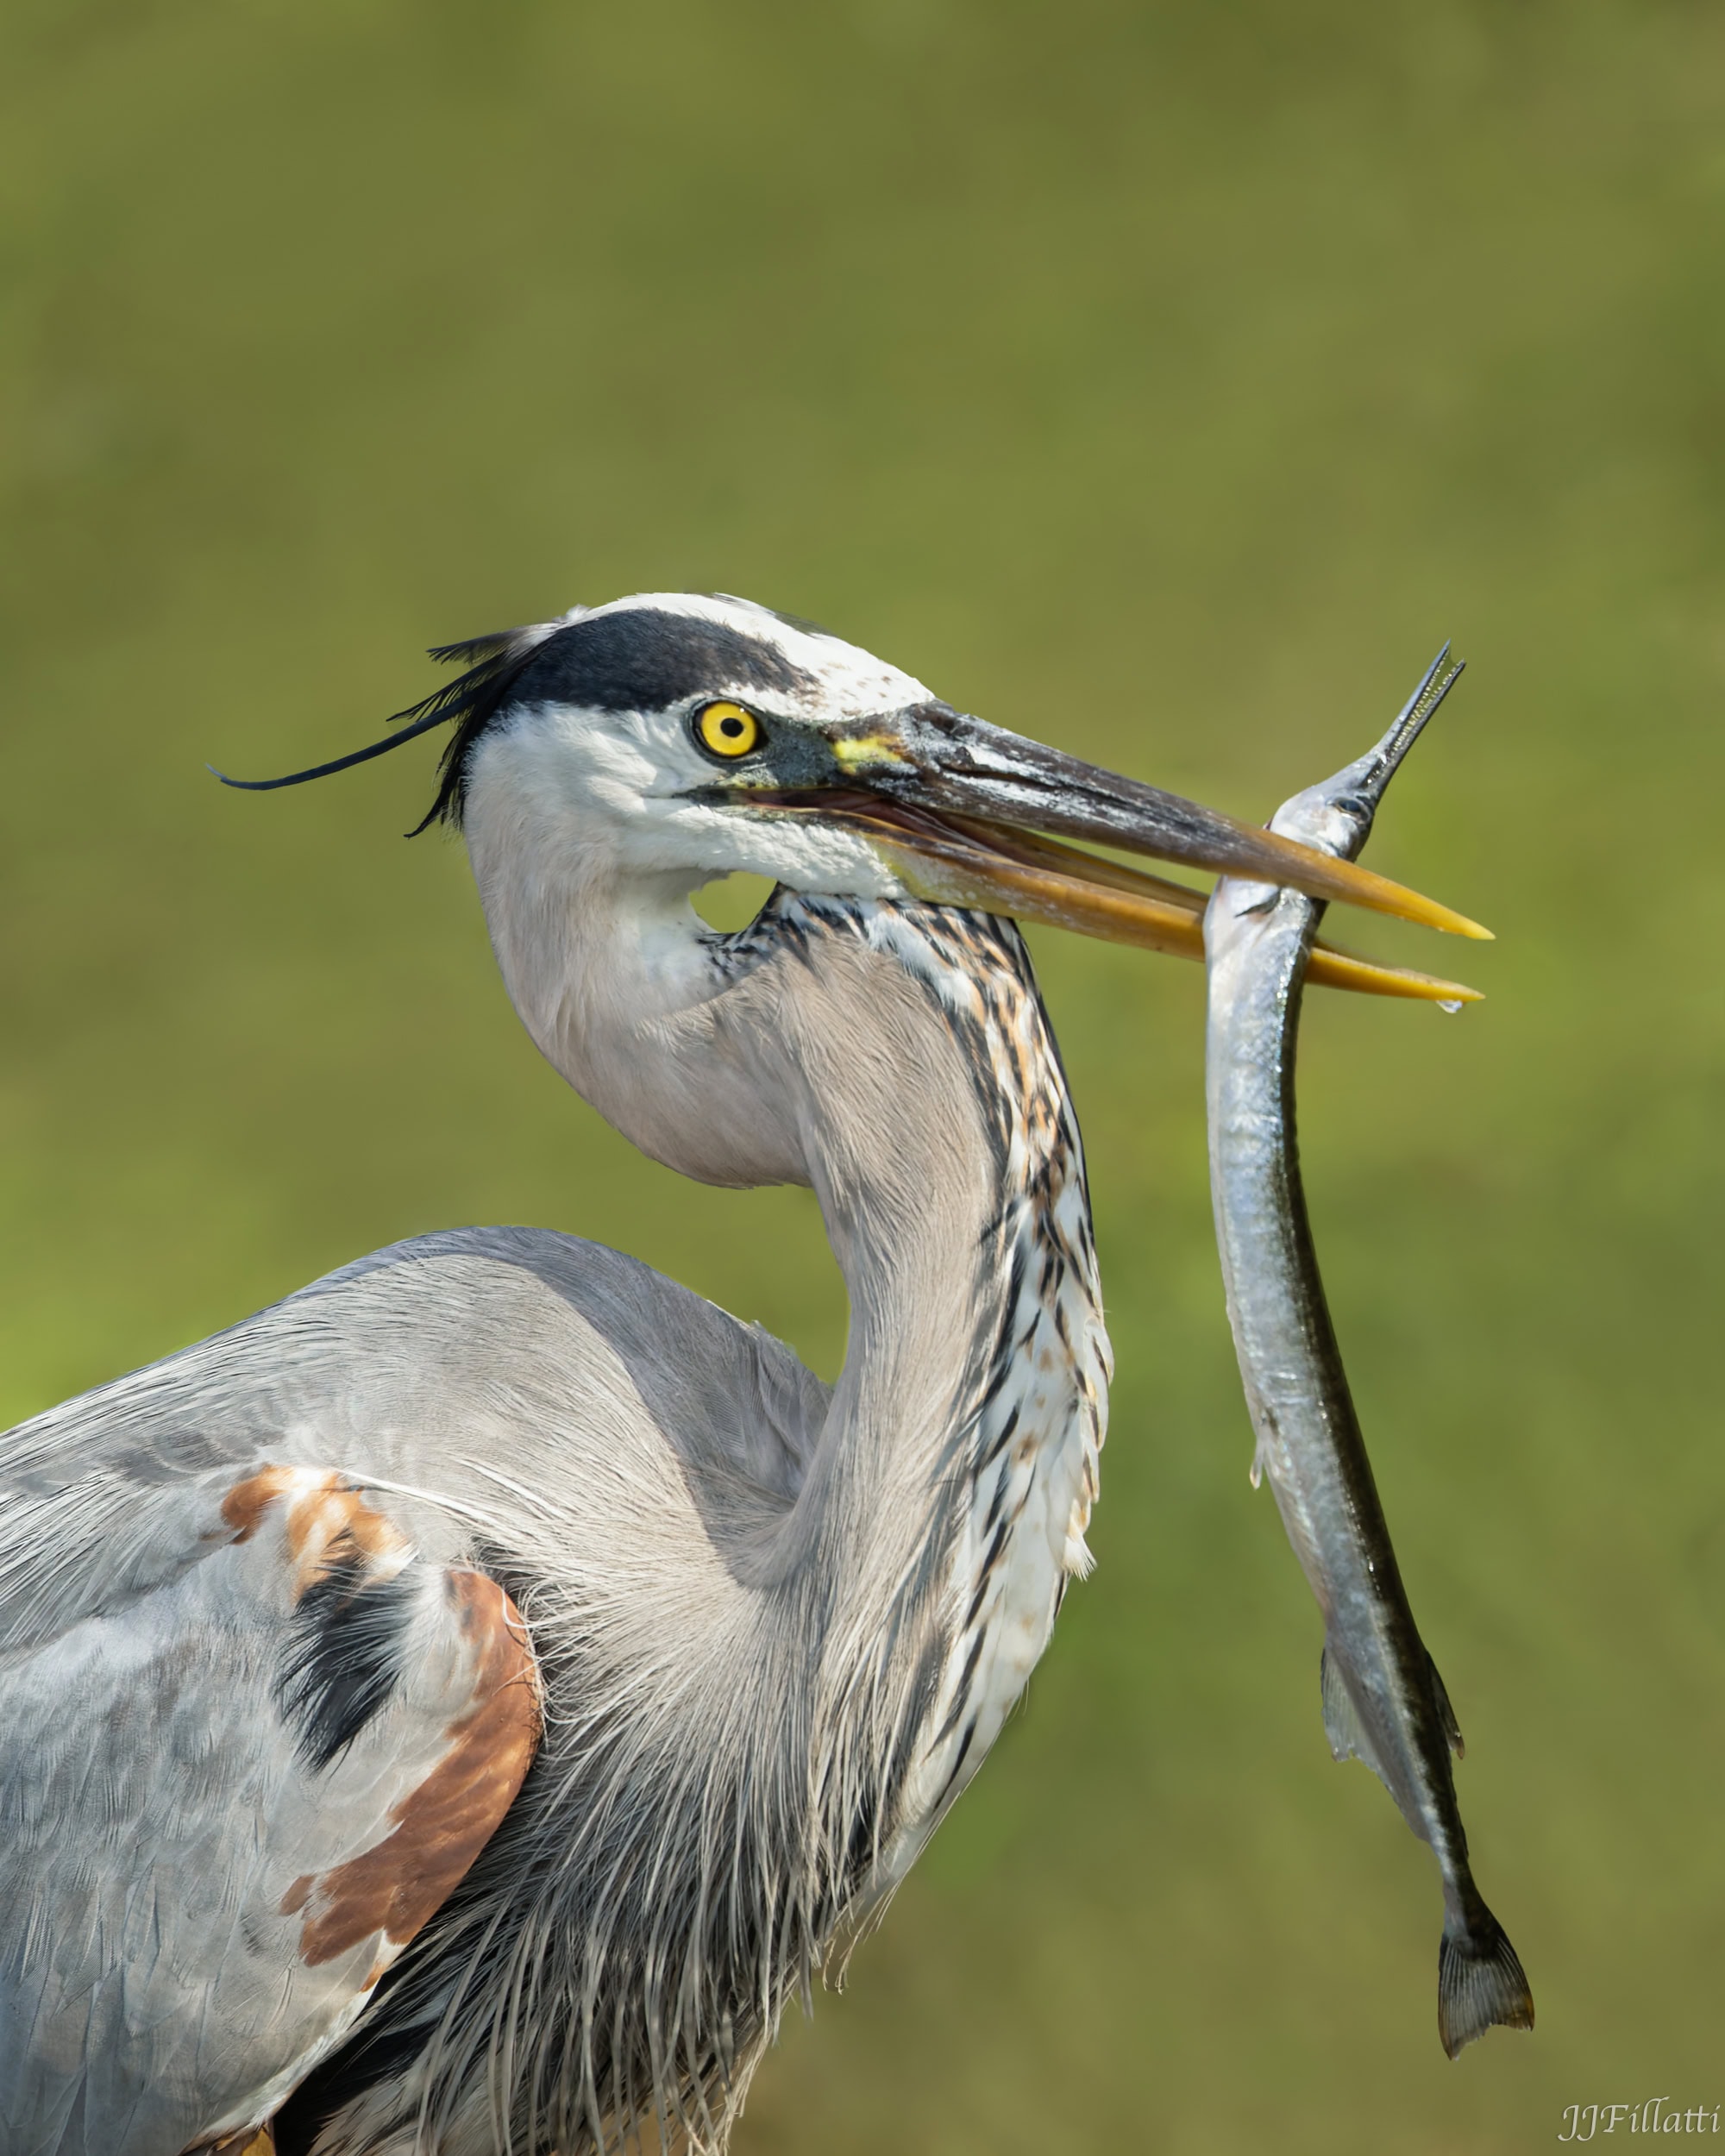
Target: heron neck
{"x":910,"y":1053}
{"x":945,"y":1503}
{"x":910,"y":1182}
{"x":871,"y":1050}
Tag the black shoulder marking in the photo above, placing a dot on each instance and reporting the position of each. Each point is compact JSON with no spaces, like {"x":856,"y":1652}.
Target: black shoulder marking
{"x":641,"y":660}
{"x":370,"y":2056}
{"x":342,"y":1661}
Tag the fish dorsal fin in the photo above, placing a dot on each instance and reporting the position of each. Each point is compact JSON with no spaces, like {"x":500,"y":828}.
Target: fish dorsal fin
{"x":1342,"y":1724}
{"x":1447,"y":1713}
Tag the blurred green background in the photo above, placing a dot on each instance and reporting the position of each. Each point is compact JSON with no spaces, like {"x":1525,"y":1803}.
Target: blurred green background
{"x":1164,"y":381}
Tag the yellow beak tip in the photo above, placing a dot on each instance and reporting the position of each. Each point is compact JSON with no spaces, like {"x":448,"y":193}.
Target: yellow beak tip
{"x":1426,"y":913}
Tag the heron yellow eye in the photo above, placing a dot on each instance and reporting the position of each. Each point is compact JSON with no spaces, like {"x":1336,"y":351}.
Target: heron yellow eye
{"x":727,"y":730}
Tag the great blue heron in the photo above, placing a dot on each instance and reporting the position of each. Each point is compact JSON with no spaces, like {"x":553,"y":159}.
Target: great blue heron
{"x":456,"y":1708}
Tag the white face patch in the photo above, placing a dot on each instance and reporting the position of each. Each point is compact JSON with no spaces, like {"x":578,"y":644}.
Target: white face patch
{"x":608,"y":794}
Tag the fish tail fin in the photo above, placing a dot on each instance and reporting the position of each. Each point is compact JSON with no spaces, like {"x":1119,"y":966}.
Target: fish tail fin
{"x":1481,"y":1983}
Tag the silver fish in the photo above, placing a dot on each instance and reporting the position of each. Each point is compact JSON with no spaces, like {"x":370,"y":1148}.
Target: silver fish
{"x":1384,"y":1700}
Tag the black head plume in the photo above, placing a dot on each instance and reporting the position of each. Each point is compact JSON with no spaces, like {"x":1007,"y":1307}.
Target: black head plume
{"x":493,"y":664}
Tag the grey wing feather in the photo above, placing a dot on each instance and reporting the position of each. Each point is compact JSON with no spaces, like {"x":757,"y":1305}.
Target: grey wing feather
{"x":189,"y":1791}
{"x":177,"y":1766}
{"x":410,"y":1365}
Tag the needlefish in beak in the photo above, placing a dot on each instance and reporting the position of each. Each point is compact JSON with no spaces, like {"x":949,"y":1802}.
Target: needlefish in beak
{"x":1383,"y":1701}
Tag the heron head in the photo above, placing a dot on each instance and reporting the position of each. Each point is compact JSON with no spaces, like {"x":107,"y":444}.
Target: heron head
{"x":683,"y":737}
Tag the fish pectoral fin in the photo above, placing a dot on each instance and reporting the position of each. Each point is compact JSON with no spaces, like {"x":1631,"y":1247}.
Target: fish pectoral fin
{"x":1447,"y":1713}
{"x":1342,"y":1724}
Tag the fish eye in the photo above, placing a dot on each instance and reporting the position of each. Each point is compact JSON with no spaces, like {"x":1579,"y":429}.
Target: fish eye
{"x":727,"y":730}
